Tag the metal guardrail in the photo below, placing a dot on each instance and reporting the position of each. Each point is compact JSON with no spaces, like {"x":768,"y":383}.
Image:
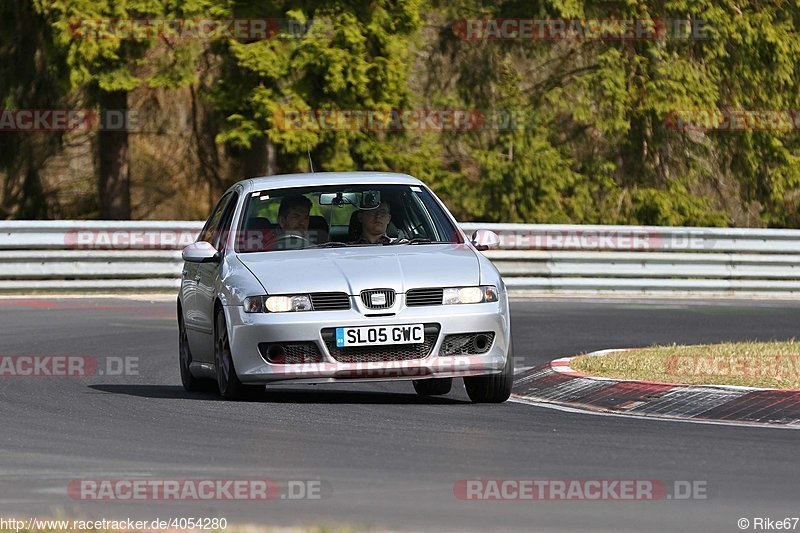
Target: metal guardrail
{"x":93,"y":256}
{"x":110,"y":256}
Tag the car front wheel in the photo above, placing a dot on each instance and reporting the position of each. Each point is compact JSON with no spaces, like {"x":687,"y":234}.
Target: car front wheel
{"x":190,"y":383}
{"x":492,"y":389}
{"x":228,"y":382}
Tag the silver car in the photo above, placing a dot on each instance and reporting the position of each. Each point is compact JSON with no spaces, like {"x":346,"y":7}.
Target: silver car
{"x":341,"y":277}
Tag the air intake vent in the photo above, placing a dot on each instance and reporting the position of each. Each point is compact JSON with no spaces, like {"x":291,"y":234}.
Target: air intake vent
{"x":420,"y":297}
{"x":378,"y":298}
{"x":290,"y":353}
{"x":330,"y":301}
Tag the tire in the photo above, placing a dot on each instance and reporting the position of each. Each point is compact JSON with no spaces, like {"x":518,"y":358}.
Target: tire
{"x":190,"y":383}
{"x":492,"y":389}
{"x":433,"y":387}
{"x":228,"y":384}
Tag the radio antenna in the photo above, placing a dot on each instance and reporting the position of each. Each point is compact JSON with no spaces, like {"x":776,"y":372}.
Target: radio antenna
{"x":310,"y":162}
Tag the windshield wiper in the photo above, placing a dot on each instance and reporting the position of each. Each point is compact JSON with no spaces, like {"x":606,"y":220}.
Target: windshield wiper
{"x":330,"y":244}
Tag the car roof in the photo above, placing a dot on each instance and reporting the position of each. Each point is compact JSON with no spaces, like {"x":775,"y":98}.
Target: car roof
{"x":330,"y":178}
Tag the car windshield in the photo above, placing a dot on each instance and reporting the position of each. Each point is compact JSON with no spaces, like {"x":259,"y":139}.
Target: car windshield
{"x":342,"y":216}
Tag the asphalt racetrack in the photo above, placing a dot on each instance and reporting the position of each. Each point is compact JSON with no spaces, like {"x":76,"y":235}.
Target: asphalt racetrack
{"x":387,"y":458}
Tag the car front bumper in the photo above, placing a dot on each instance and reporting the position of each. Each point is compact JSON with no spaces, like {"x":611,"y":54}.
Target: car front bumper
{"x":247,"y":330}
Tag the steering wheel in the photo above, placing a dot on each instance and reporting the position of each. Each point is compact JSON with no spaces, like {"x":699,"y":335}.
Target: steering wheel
{"x":284,"y":239}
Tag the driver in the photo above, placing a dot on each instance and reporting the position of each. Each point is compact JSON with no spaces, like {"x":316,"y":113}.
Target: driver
{"x":373,"y":224}
{"x":293,"y":215}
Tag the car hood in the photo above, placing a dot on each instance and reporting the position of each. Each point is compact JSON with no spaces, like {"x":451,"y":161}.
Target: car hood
{"x":351,"y":270}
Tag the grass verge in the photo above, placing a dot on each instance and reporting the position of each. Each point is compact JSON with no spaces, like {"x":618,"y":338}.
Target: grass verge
{"x":774,"y":365}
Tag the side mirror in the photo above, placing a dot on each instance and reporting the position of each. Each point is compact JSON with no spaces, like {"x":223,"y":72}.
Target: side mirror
{"x":200,"y":252}
{"x":483,"y":239}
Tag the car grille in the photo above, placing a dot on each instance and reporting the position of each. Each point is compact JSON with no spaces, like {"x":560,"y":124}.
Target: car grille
{"x":330,"y":301}
{"x":374,"y":354}
{"x":420,"y":297}
{"x":366,"y":298}
{"x":292,"y":353}
{"x":465,"y":343}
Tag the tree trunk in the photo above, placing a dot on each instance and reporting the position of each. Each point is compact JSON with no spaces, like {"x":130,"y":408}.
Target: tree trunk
{"x":33,"y":204}
{"x":112,"y":147}
{"x":259,"y":160}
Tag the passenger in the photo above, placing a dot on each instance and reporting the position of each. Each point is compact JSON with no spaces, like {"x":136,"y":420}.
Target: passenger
{"x":373,"y":224}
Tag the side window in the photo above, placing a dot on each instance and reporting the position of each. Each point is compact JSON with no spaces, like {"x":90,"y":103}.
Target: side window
{"x":207,"y":233}
{"x":442,"y":226}
{"x":419,"y":220}
{"x":224,"y":226}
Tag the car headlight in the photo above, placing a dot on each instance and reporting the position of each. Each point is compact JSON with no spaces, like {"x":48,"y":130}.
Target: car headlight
{"x":469,"y":295}
{"x":277,"y":304}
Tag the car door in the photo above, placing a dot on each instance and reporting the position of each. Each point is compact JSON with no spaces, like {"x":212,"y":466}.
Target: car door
{"x":196,"y":333}
{"x":207,"y":277}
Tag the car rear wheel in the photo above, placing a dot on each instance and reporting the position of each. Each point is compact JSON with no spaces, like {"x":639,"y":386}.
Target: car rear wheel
{"x":228,"y":382}
{"x":492,"y":389}
{"x":433,"y":387}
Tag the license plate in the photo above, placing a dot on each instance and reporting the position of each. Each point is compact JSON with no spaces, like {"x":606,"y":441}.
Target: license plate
{"x":380,"y":335}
